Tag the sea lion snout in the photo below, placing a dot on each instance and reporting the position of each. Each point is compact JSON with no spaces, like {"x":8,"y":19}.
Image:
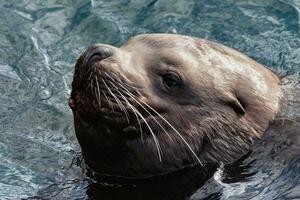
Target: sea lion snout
{"x":96,"y":53}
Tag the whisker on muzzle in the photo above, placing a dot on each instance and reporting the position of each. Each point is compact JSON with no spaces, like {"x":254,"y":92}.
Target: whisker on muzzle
{"x":168,"y":123}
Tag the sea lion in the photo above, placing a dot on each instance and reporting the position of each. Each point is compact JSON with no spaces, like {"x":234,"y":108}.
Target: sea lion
{"x":163,"y":102}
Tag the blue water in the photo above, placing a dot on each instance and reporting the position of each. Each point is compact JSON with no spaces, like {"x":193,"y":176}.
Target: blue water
{"x":40,"y":41}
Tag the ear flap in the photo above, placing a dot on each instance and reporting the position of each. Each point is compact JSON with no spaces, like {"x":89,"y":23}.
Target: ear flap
{"x":235,"y":104}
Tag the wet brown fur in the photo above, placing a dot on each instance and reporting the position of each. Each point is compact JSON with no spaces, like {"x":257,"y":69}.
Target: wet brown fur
{"x":220,"y":110}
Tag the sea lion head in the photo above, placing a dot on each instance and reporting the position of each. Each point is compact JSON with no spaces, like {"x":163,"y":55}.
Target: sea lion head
{"x":162,"y":102}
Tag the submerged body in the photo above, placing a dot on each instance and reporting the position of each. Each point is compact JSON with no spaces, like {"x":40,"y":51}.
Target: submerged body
{"x":163,"y":102}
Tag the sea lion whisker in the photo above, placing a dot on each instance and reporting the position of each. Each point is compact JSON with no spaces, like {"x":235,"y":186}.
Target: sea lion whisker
{"x":121,"y":106}
{"x":99,"y":93}
{"x":132,"y":107}
{"x":119,"y":80}
{"x":159,"y":151}
{"x":159,"y":124}
{"x":153,"y":136}
{"x":176,"y":131}
{"x":138,"y":119}
{"x":135,"y":113}
{"x":118,"y":102}
{"x":90,"y":76}
{"x":151,"y":131}
{"x":109,"y":102}
{"x":115,"y":78}
{"x":95,"y":93}
{"x":88,"y":86}
{"x":92,"y":87}
{"x":132,"y":96}
{"x":92,"y":83}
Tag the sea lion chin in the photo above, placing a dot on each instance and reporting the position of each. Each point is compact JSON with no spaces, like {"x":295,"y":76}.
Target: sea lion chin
{"x":162,"y":102}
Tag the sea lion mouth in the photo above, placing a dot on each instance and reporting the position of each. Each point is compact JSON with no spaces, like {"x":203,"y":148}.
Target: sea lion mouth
{"x":106,"y":99}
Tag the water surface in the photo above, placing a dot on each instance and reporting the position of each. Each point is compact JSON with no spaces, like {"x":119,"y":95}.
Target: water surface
{"x":40,"y":41}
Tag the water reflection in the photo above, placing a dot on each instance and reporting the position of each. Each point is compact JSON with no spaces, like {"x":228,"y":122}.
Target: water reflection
{"x":39,"y":43}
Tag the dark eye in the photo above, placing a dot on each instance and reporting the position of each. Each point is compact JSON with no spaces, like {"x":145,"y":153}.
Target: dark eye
{"x":171,"y":80}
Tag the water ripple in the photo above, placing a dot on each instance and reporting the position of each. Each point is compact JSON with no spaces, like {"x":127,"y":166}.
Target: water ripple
{"x":41,"y":40}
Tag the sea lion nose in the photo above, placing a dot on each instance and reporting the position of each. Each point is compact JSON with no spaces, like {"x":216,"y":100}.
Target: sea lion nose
{"x":97,"y":53}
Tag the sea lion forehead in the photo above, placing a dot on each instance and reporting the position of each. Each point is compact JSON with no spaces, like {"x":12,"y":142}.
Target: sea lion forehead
{"x":171,"y":49}
{"x":161,"y":41}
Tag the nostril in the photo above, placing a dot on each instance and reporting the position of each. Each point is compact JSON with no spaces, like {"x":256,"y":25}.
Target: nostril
{"x":96,"y":54}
